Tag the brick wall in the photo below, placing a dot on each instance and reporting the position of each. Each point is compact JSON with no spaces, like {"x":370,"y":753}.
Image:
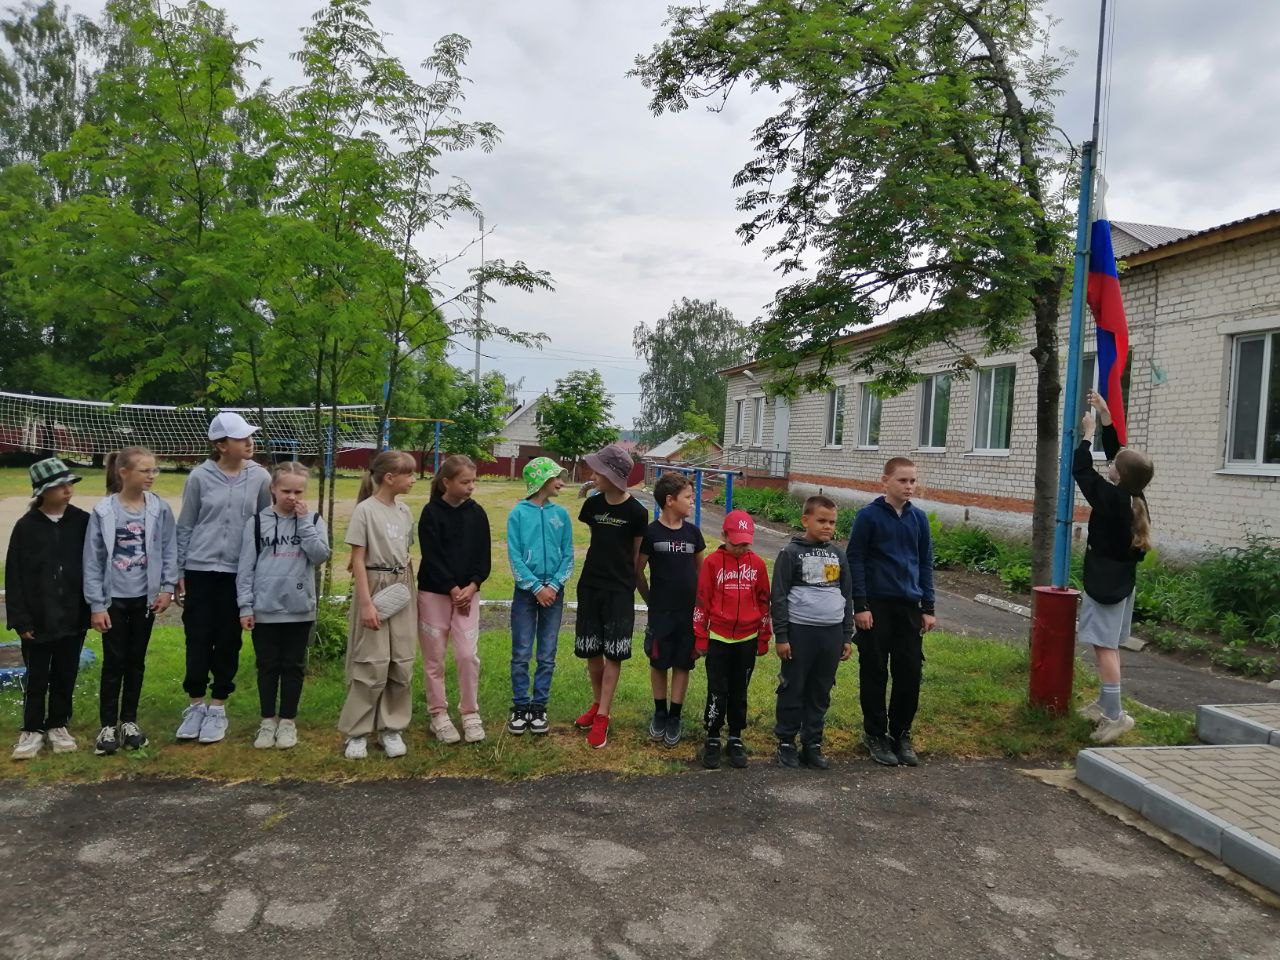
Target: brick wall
{"x":1183,"y":312}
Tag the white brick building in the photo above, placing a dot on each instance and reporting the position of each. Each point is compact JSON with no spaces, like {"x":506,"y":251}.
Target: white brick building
{"x":1203,"y":399}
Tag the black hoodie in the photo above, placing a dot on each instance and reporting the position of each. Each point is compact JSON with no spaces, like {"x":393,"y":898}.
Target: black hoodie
{"x":44,"y":575}
{"x":455,"y":545}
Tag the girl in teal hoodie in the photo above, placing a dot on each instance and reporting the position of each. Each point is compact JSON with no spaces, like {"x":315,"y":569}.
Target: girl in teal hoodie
{"x":540,"y":547}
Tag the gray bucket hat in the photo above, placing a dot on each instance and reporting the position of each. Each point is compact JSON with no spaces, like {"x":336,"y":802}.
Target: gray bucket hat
{"x":613,"y":463}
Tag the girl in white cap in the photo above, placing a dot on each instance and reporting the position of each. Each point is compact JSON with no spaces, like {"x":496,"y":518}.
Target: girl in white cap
{"x":219,"y":497}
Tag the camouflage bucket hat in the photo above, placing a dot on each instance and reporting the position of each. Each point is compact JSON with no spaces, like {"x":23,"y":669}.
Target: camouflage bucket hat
{"x":537,"y":472}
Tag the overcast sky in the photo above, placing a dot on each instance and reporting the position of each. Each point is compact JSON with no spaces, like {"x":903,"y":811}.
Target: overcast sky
{"x":630,"y":212}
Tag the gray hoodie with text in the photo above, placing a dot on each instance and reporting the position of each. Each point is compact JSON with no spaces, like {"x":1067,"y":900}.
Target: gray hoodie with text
{"x":811,"y":585}
{"x":275,"y":581}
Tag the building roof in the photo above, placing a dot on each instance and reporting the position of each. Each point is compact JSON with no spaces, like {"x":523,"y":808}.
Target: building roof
{"x":1128,"y":238}
{"x":1147,"y":243}
{"x":673,"y":445}
{"x":524,"y":408}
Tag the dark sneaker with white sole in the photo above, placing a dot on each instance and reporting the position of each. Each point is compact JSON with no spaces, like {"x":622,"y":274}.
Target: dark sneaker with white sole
{"x":881,"y":749}
{"x":518,"y":720}
{"x":107,"y":743}
{"x":905,"y":750}
{"x":671,"y":735}
{"x":737,"y":752}
{"x":658,"y":726}
{"x":132,"y":736}
{"x":537,"y":717}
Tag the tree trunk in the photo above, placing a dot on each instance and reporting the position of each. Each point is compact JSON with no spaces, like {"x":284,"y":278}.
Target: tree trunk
{"x":333,"y":428}
{"x":1048,"y":429}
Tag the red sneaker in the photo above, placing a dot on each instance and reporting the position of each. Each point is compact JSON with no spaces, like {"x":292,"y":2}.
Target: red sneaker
{"x":599,"y":734}
{"x":584,"y":722}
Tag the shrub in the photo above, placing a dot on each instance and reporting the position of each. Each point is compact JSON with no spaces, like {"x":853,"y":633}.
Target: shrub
{"x":330,"y":643}
{"x":1245,"y":581}
{"x":970,"y":548}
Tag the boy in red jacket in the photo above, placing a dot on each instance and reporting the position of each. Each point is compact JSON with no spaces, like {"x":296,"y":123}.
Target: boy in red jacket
{"x":731,"y":628}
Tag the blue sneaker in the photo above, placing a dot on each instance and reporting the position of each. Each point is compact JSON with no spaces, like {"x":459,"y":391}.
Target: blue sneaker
{"x":192,"y":720}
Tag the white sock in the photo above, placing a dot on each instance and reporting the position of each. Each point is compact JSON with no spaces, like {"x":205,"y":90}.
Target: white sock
{"x":1110,"y":700}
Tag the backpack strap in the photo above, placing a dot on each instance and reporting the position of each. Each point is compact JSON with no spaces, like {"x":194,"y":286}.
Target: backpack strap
{"x":257,"y":531}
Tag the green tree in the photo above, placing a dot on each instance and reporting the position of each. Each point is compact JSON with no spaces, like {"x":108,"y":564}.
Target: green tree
{"x":576,"y":417}
{"x":703,"y":427}
{"x":914,"y":157}
{"x":682,"y":352}
{"x":478,"y":415}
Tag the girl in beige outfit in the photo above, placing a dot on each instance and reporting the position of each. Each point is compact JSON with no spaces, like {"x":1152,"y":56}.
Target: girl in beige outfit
{"x":380,"y":652}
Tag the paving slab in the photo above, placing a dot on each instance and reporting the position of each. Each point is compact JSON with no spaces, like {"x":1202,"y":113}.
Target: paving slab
{"x":1223,"y":799}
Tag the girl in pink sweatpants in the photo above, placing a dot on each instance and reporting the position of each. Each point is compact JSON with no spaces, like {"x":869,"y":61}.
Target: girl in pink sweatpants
{"x":454,"y":533}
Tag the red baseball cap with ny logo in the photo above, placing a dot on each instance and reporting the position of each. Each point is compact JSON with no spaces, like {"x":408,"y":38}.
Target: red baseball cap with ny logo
{"x":739,"y":527}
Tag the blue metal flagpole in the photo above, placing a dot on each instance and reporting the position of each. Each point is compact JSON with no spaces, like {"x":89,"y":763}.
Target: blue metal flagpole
{"x":1071,"y":395}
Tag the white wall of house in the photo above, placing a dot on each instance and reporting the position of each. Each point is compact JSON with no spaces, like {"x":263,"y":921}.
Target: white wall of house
{"x":520,"y":429}
{"x":1186,"y":314}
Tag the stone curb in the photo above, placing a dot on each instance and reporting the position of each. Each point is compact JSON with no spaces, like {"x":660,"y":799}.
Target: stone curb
{"x":1238,"y":849}
{"x":1218,"y":723}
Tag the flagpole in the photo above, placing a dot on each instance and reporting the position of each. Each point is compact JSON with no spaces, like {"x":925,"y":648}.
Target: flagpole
{"x":1071,"y":409}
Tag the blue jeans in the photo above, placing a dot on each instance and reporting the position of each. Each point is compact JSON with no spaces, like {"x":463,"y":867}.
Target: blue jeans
{"x":530,"y":623}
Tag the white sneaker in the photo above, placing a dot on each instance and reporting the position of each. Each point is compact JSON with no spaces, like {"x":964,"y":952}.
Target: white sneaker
{"x":357,"y":748}
{"x":286,"y":735}
{"x":1092,"y":712}
{"x":192,"y":721}
{"x":392,"y":743}
{"x":214,"y":726}
{"x":1109,"y":731}
{"x":61,"y":740}
{"x":472,"y":728}
{"x":28,"y":745}
{"x":266,"y":738}
{"x":444,"y":729}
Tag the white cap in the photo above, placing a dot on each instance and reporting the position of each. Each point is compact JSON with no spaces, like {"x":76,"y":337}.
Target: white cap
{"x":228,"y":424}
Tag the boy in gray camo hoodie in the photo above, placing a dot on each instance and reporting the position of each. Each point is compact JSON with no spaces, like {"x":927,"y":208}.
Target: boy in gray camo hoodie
{"x":812,"y":610}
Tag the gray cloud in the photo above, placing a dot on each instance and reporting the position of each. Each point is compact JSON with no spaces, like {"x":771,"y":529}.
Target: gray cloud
{"x":631,"y":212}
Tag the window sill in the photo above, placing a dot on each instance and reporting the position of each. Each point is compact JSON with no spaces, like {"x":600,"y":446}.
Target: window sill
{"x":833,"y":446}
{"x":930,"y":450}
{"x":864,"y":446}
{"x":1271,"y":471}
{"x":993,"y":454}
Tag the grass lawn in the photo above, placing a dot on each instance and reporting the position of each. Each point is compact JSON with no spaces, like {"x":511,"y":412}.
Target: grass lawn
{"x":973,"y":706}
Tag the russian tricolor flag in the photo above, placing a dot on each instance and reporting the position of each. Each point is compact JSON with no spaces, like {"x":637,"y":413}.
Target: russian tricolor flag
{"x":1113,"y":329}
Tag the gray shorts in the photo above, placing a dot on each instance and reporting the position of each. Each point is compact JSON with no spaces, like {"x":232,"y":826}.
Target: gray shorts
{"x":1105,"y":624}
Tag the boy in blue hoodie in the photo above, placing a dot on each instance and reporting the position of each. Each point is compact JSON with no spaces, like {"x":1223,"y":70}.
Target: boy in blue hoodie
{"x":540,"y":547}
{"x":891,"y":563}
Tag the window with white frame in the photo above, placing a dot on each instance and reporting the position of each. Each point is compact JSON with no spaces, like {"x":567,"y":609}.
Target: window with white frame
{"x":758,"y":433}
{"x":740,"y":421}
{"x":868,"y":417}
{"x":1253,"y":437}
{"x":835,"y":417}
{"x":993,"y":410}
{"x":935,"y":411}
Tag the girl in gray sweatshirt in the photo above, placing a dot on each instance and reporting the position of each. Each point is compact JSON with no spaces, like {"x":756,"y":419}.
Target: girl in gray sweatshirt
{"x":276,"y":590}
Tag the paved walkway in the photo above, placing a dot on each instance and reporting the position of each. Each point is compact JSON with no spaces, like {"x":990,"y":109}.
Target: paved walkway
{"x":951,"y":860}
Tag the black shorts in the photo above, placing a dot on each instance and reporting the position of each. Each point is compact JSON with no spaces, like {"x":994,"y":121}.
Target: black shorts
{"x":606,"y":619}
{"x":669,"y":644}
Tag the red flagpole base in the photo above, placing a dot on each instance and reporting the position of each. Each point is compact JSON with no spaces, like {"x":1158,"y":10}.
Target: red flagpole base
{"x":1053,"y":647}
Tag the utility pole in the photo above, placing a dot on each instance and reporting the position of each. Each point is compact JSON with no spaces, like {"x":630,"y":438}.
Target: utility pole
{"x":479,"y":304}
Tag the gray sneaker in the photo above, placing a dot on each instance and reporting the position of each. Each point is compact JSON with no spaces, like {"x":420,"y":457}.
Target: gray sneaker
{"x":671,"y":735}
{"x":192,"y":720}
{"x":214,"y":727}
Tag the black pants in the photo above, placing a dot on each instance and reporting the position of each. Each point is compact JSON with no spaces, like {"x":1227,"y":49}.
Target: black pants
{"x":281,"y":651}
{"x":893,"y":646}
{"x":804,"y":688}
{"x":124,"y":660}
{"x":51,"y":674}
{"x":211,"y":619}
{"x":729,"y":667}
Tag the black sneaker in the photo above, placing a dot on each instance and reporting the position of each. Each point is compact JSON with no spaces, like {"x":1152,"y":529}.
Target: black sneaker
{"x":881,"y":748}
{"x":106,"y":744}
{"x":811,"y":756}
{"x":906,"y":752}
{"x":787,"y":755}
{"x":711,"y":753}
{"x":658,"y":725}
{"x":132,"y":736}
{"x":518,"y":719}
{"x":537,"y":717}
{"x":671,"y":736}
{"x":737,"y":752}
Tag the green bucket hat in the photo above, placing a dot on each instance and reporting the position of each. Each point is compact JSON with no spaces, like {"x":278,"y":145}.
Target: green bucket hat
{"x":47,"y":474}
{"x":538,"y":471}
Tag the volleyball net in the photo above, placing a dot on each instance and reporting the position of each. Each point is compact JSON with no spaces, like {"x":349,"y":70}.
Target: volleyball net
{"x":88,"y":427}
